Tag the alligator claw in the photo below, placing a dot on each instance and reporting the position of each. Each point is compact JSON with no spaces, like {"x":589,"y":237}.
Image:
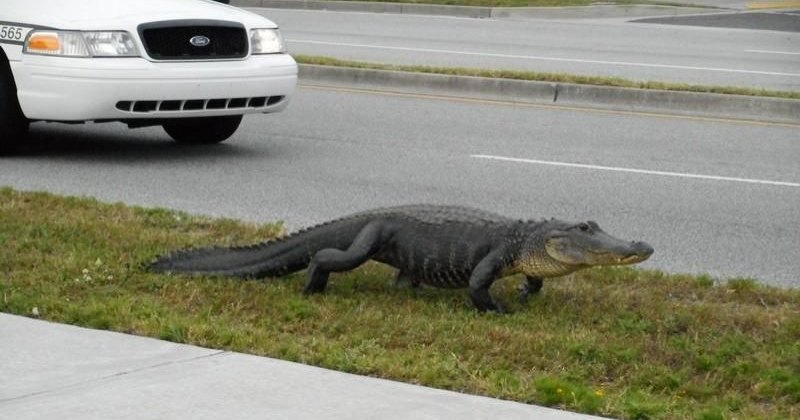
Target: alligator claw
{"x":524,"y":292}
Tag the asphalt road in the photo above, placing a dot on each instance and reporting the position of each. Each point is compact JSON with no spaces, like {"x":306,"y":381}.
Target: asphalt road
{"x":595,"y":47}
{"x":333,"y":152}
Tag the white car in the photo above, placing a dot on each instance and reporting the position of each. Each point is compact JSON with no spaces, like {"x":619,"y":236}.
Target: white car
{"x":194,"y":67}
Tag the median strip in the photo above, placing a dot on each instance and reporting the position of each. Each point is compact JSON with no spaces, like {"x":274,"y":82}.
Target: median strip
{"x":546,"y":58}
{"x":559,"y":90}
{"x":777,"y":4}
{"x":548,"y":77}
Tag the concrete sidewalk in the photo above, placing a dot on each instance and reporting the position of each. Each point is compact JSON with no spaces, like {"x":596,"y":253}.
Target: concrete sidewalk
{"x":54,"y":371}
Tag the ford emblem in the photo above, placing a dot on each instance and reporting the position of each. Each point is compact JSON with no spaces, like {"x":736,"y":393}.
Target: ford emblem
{"x":199,"y":41}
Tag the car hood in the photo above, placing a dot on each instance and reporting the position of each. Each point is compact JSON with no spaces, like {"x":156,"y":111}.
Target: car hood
{"x":121,"y":14}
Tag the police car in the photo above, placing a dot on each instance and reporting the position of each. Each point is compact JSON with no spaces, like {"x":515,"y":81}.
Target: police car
{"x":194,"y":67}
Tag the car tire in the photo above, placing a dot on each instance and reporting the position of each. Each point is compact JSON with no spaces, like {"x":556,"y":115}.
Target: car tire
{"x":13,"y":124}
{"x":204,"y":130}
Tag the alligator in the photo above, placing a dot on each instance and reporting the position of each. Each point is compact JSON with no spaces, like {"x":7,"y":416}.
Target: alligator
{"x":436,"y":245}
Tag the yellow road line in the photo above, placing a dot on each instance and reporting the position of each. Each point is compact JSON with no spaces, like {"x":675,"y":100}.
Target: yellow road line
{"x":462,"y":99}
{"x":777,"y":4}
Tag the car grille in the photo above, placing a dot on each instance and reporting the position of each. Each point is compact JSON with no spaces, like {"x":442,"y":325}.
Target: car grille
{"x":194,"y":40}
{"x":179,"y":105}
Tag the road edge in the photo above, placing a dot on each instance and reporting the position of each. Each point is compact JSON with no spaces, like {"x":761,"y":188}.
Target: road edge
{"x":713,"y":105}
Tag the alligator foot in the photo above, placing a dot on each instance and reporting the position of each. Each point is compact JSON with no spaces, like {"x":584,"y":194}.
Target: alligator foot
{"x":532,"y":286}
{"x":498,"y":308}
{"x":317,"y":280}
{"x":484,"y":303}
{"x":404,"y":280}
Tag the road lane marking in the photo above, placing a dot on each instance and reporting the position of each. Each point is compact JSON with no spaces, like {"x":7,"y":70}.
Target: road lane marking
{"x":520,"y":104}
{"x":637,"y":171}
{"x":772,"y":52}
{"x":542,"y":58}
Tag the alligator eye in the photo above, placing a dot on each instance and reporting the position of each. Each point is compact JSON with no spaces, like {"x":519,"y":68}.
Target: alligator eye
{"x":583,"y":227}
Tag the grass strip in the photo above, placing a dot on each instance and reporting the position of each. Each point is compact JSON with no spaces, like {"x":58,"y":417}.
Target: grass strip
{"x":497,"y":3}
{"x":544,"y":3}
{"x":548,"y":77}
{"x":617,"y":342}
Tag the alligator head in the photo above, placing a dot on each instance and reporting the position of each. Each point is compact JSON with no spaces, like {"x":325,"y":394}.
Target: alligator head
{"x":568,"y":247}
{"x":585,"y":244}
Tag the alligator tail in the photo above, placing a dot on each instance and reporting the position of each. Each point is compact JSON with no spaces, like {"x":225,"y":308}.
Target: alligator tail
{"x":268,"y":259}
{"x":253,"y":261}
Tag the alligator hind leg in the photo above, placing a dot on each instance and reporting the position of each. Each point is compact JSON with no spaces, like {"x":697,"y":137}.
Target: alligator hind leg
{"x":365,"y":245}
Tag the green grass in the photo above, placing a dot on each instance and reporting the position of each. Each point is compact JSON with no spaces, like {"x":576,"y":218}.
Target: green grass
{"x":538,"y":3}
{"x":497,"y":3}
{"x":617,"y":342}
{"x":549,"y":77}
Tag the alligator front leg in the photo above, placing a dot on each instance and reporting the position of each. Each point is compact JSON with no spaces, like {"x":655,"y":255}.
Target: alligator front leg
{"x":365,"y":245}
{"x":481,"y":279}
{"x":531,"y":286}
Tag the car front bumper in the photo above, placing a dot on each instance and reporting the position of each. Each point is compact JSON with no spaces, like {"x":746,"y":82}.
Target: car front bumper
{"x":85,"y":89}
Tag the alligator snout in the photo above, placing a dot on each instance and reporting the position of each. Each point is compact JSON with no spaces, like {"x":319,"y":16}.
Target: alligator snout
{"x":640,"y":251}
{"x":643,"y":248}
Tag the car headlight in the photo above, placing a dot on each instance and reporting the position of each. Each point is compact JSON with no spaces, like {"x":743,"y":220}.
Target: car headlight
{"x":81,"y":44}
{"x":110,"y":44}
{"x":266,"y":41}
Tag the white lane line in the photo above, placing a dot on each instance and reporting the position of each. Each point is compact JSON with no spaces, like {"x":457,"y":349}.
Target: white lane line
{"x":637,"y":171}
{"x":773,"y":52}
{"x":535,"y":57}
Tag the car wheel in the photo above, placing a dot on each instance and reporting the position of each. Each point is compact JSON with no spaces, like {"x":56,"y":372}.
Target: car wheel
{"x":204,"y":130}
{"x":13,"y":124}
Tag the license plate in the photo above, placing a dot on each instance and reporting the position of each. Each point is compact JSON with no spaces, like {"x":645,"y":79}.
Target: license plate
{"x":13,"y":33}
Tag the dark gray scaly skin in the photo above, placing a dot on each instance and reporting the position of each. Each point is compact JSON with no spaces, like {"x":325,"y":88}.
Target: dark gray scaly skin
{"x":441,"y":246}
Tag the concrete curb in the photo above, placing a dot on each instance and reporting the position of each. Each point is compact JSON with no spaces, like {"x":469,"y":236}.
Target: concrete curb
{"x":598,"y":12}
{"x":580,"y":12}
{"x":370,"y":7}
{"x":561,"y":94}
